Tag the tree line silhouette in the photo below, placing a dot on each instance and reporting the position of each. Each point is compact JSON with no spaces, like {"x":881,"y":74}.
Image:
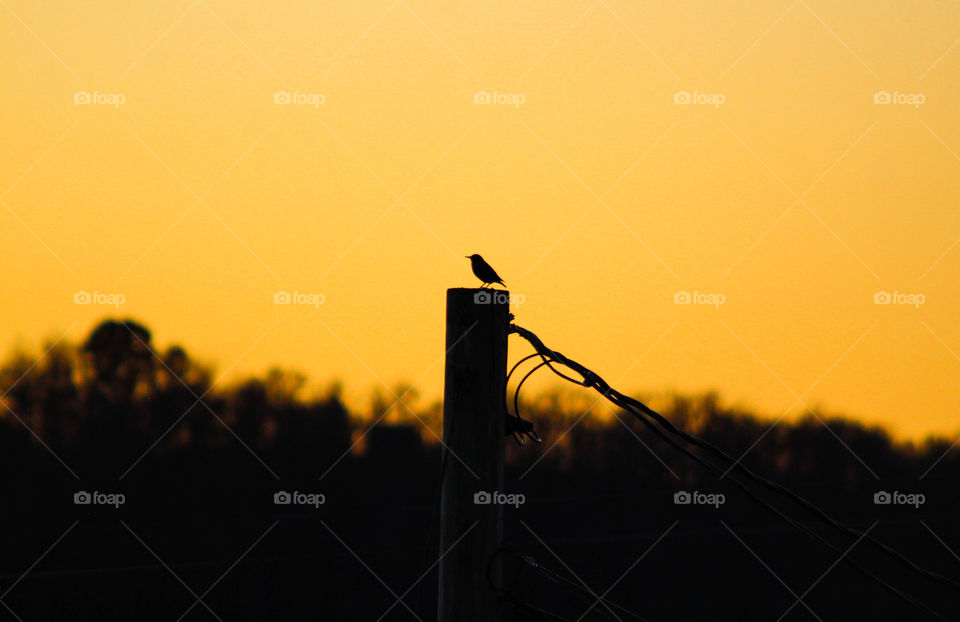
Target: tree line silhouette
{"x":116,"y":391}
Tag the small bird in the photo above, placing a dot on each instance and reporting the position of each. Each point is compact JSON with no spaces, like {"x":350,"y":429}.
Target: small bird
{"x":483,"y":271}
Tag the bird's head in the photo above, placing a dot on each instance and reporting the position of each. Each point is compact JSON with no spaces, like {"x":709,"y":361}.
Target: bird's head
{"x":473,"y":257}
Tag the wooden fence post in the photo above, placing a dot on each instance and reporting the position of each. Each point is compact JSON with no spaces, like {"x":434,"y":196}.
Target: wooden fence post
{"x":473,"y":435}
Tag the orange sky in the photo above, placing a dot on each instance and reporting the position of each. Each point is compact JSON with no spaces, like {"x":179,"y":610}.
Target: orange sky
{"x":783,"y":190}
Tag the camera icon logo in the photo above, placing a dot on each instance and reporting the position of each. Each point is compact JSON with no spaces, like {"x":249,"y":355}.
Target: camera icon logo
{"x":682,"y":97}
{"x":481,"y":298}
{"x":682,"y":497}
{"x":682,"y":298}
{"x":81,"y":97}
{"x":882,"y":498}
{"x":481,"y":97}
{"x":81,"y":298}
{"x":482,"y":498}
{"x":281,"y":97}
{"x":281,"y":298}
{"x":881,"y":97}
{"x":882,"y":298}
{"x":82,"y":497}
{"x":282,"y":498}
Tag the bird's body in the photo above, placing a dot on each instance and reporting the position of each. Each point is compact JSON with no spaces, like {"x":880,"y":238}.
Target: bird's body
{"x":483,"y":271}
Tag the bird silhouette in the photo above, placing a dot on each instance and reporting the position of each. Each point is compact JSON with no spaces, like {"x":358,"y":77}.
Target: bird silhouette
{"x":483,"y":271}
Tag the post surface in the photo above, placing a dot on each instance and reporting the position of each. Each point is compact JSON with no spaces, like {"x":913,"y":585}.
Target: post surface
{"x":473,"y":432}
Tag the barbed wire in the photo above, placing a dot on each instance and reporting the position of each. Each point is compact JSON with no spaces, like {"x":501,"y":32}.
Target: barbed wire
{"x":645,"y":414}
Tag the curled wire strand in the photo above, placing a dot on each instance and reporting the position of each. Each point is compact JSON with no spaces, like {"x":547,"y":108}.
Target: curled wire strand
{"x":522,"y":426}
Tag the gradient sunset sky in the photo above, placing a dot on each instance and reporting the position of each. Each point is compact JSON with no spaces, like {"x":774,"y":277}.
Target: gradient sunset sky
{"x":233,"y":150}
